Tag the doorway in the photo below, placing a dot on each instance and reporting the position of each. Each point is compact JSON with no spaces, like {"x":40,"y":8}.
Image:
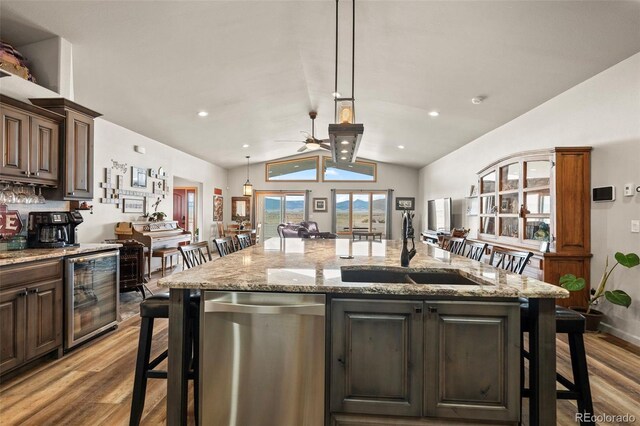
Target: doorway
{"x":185,"y":208}
{"x":274,"y":208}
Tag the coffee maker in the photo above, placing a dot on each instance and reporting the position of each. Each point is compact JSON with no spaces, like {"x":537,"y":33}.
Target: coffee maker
{"x":53,"y":229}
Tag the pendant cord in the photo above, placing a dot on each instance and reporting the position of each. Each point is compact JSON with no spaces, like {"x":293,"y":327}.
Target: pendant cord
{"x":335,"y":92}
{"x":353,"y":54}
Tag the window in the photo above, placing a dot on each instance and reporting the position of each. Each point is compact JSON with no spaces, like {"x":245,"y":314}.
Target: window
{"x":356,"y":210}
{"x":301,"y":169}
{"x":360,"y":171}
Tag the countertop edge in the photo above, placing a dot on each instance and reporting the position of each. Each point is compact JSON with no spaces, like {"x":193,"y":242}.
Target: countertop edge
{"x":33,"y":255}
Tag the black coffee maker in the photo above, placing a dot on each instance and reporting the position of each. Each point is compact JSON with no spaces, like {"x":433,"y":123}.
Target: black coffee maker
{"x":53,"y":229}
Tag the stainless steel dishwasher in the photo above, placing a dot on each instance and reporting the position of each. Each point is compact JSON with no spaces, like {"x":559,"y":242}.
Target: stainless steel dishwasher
{"x":262,"y":359}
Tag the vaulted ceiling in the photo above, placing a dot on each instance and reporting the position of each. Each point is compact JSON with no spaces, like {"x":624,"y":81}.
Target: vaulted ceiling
{"x":258,"y":67}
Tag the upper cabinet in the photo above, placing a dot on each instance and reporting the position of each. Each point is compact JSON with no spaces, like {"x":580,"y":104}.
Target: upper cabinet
{"x":77,"y":150}
{"x":541,"y":196}
{"x":30,"y":143}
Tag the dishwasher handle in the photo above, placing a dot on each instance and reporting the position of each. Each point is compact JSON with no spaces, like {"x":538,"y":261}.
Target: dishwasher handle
{"x":304,"y":309}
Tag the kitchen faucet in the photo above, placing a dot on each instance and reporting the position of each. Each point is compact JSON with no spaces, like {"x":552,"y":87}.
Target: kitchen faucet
{"x":407,"y":232}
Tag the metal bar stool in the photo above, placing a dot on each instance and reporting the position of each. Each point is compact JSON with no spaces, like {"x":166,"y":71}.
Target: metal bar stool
{"x":157,"y":306}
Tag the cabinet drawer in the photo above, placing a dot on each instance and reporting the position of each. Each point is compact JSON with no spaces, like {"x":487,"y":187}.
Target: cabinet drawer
{"x":30,"y":272}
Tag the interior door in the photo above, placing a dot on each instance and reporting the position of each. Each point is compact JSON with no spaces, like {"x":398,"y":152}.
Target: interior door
{"x":180,"y":207}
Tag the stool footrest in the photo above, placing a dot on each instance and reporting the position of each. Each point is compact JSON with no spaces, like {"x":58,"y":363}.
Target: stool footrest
{"x":156,"y":374}
{"x":157,"y":360}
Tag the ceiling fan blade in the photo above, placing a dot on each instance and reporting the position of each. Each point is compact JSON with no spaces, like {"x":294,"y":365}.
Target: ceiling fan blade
{"x":303,"y":149}
{"x":289,"y":140}
{"x":327,"y":147}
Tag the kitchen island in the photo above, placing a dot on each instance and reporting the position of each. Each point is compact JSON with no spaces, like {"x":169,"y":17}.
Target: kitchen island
{"x":314,"y":266}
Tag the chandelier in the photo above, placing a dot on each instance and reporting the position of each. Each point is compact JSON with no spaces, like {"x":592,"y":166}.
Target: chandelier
{"x":345,"y":134}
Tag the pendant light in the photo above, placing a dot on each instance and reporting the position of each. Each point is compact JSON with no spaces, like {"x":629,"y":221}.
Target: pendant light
{"x":345,"y":134}
{"x":247,"y":188}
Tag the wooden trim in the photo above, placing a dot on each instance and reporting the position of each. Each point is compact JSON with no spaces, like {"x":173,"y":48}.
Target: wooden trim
{"x":31,"y":108}
{"x":294,"y":160}
{"x":548,"y":151}
{"x":64,"y":103}
{"x":375,"y":171}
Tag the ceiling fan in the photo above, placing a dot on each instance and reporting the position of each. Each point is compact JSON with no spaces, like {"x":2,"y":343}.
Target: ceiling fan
{"x":311,"y":142}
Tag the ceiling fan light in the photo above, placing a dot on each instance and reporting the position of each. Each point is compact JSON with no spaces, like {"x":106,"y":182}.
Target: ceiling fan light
{"x":313,"y":145}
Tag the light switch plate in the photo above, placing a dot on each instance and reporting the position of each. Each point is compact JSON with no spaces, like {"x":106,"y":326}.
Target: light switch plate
{"x":635,"y":226}
{"x":628,"y":190}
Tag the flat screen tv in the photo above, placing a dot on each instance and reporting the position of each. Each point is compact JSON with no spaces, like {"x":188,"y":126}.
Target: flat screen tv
{"x":439,"y":216}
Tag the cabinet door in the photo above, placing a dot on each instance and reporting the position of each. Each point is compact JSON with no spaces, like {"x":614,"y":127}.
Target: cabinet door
{"x":78,"y":156}
{"x":15,"y":142}
{"x":43,"y":152}
{"x":12,"y":330}
{"x":376,"y":357}
{"x":44,"y":318}
{"x":472,"y":360}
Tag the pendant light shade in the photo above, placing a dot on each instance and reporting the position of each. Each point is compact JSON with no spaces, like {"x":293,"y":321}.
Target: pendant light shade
{"x":247,"y":188}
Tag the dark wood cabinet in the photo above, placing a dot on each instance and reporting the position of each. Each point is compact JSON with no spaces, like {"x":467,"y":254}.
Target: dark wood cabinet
{"x":76,"y":156}
{"x":425,"y":359}
{"x":471,"y":371}
{"x":376,"y":357}
{"x":30,"y":312}
{"x":30,"y":141}
{"x":532,"y":197}
{"x":43,"y":150}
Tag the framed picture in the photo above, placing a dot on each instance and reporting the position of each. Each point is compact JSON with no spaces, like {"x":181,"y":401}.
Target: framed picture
{"x":138,"y":177}
{"x":405,"y":203}
{"x":132,"y":206}
{"x":320,"y":205}
{"x":217,"y":208}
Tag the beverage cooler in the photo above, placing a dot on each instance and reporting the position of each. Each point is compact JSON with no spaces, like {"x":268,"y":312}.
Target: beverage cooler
{"x":92,"y":296}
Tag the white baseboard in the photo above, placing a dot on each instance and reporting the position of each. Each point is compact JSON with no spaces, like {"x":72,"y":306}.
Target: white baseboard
{"x":621,"y":334}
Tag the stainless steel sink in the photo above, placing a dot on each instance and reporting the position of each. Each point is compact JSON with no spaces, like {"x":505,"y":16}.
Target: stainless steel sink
{"x":398,"y":275}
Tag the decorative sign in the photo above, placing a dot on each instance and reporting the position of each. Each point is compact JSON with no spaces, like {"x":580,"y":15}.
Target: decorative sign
{"x":405,"y":203}
{"x":133,"y":206}
{"x":10,"y":222}
{"x":217,"y":191}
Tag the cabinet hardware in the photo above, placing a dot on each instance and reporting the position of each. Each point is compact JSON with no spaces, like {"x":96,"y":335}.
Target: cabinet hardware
{"x":23,"y":292}
{"x":341,"y":361}
{"x":432,"y":309}
{"x":417,"y":310}
{"x":37,"y":173}
{"x":24,"y":172}
{"x":34,"y":290}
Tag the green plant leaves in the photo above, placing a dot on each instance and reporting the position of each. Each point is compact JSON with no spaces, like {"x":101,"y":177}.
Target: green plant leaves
{"x":571,"y":282}
{"x":628,"y":260}
{"x":618,"y":297}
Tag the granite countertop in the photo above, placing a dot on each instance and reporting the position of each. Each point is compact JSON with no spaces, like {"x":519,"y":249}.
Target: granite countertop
{"x":313,"y":266}
{"x":30,"y":255}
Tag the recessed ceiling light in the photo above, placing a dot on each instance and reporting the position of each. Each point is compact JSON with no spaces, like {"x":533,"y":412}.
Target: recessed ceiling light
{"x":336,"y":94}
{"x":203,"y":113}
{"x":478,"y":100}
{"x":434,"y":113}
{"x":345,"y":142}
{"x":400,"y":146}
{"x":246,"y":145}
{"x":344,"y":151}
{"x":343,"y":158}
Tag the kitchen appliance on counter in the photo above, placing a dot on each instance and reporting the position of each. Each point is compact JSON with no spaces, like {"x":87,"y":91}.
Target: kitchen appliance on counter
{"x":262,"y":359}
{"x":53,"y":229}
{"x":91,"y":295}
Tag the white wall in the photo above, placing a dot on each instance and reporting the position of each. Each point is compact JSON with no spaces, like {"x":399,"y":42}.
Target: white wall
{"x":602,"y":112}
{"x":116,"y":142}
{"x":403,"y":180}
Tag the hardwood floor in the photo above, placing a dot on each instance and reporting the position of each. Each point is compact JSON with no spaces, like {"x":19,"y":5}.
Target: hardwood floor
{"x":92,"y":385}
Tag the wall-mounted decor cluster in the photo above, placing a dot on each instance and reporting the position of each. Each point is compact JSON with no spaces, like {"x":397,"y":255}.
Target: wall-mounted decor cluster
{"x":115,"y":192}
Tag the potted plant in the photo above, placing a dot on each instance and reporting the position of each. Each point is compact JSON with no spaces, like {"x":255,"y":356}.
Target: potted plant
{"x":157,"y":216}
{"x":617,"y":297}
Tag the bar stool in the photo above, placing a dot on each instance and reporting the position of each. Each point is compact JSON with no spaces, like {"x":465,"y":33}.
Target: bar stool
{"x":571,"y":323}
{"x":157,"y":306}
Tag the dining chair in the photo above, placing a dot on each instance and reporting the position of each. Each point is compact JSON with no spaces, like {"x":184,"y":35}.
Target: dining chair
{"x":510,"y":260}
{"x":195,"y":254}
{"x":244,"y":241}
{"x":476,"y":250}
{"x":224,"y":245}
{"x":454,"y":245}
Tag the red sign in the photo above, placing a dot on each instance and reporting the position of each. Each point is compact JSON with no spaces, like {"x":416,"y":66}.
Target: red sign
{"x":10,"y":222}
{"x":217,"y":191}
